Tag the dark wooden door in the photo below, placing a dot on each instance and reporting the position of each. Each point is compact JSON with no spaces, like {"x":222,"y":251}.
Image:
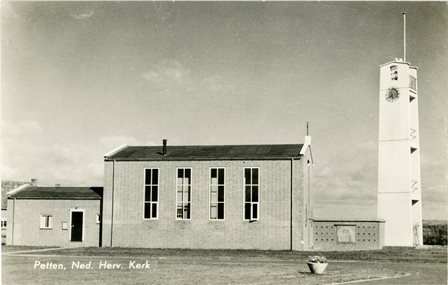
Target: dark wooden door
{"x":77,"y":226}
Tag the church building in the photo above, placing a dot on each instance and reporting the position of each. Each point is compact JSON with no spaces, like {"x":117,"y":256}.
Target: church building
{"x":217,"y":197}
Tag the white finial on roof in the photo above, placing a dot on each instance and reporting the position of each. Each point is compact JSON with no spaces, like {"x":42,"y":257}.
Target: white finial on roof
{"x":307,"y":142}
{"x":18,"y":189}
{"x":115,"y":150}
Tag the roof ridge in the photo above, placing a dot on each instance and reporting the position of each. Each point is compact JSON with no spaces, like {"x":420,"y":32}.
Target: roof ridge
{"x":219,"y":145}
{"x":50,"y":186}
{"x":210,"y":152}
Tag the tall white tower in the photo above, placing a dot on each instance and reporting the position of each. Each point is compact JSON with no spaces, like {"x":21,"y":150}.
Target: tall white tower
{"x":399,"y":189}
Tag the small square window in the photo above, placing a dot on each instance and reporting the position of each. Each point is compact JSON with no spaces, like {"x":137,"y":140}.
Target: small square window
{"x":46,"y":221}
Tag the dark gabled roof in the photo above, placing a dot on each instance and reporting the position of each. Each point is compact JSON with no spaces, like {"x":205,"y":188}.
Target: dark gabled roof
{"x":209,"y":152}
{"x":59,"y":193}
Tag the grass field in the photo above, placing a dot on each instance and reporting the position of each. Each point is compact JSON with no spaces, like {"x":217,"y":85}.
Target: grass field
{"x":175,"y":266}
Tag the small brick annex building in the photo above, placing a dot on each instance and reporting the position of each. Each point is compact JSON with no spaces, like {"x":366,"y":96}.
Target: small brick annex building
{"x":54,"y":216}
{"x":221,"y":197}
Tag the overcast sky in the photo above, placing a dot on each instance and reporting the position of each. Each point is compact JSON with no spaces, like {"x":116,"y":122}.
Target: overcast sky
{"x":81,"y":78}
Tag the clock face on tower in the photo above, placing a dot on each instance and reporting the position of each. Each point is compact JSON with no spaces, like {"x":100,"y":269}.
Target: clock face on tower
{"x":392,"y":94}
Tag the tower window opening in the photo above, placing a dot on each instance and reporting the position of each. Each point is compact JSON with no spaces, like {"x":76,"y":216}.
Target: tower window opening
{"x":394,"y":72}
{"x":412,"y":82}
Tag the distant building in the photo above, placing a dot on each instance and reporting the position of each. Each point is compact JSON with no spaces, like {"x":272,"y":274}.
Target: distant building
{"x":54,"y":216}
{"x":224,"y":196}
{"x":4,"y":224}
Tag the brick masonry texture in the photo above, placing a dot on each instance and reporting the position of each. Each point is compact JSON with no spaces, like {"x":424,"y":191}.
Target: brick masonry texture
{"x":124,"y":226}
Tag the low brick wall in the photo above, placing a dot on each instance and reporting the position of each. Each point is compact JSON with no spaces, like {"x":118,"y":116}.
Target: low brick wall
{"x":331,"y":235}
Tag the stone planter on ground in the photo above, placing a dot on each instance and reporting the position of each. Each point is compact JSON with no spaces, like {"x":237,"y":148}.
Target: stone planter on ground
{"x":317,"y":268}
{"x":317,"y":264}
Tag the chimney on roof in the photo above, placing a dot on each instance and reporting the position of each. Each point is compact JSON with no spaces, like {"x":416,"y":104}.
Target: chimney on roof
{"x":33,"y":182}
{"x":164,"y":148}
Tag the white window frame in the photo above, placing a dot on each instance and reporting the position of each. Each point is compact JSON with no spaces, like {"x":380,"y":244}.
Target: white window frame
{"x":83,"y":224}
{"x":191,"y":194}
{"x":210,"y":193}
{"x":144,"y":192}
{"x":48,"y":220}
{"x":244,"y":194}
{"x":412,"y":83}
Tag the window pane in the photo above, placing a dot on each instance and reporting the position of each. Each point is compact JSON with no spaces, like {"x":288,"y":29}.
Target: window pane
{"x":214,"y":196}
{"x":213,"y":211}
{"x":155,"y":176}
{"x":221,"y":193}
{"x":247,"y":211}
{"x":154,"y":210}
{"x":221,"y":211}
{"x":180,"y":173}
{"x":179,"y":211}
{"x":187,"y":193}
{"x":154,"y":194}
{"x":187,"y":211}
{"x":179,"y":196}
{"x":147,"y":193}
{"x":247,"y":195}
{"x":221,"y":176}
{"x":255,"y":211}
{"x":187,"y":176}
{"x":254,"y":175}
{"x":214,"y":173}
{"x":147,"y":213}
{"x":247,"y":176}
{"x":148,"y":176}
{"x":214,"y":181}
{"x":254,"y":193}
